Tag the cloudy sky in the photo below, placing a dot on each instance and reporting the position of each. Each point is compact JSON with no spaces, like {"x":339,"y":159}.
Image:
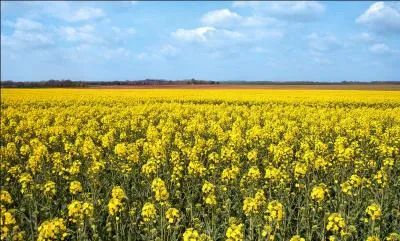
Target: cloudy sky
{"x":284,"y":41}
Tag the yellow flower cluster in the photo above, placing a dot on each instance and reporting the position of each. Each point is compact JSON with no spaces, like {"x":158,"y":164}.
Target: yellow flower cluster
{"x":75,"y":187}
{"x":172,"y":215}
{"x":7,"y":220}
{"x":319,"y":192}
{"x":373,"y":211}
{"x":50,"y":189}
{"x":5,"y":197}
{"x":253,"y":174}
{"x":25,"y":179}
{"x":209,"y":193}
{"x":75,"y":168}
{"x":149,"y":212}
{"x":78,"y":211}
{"x":116,"y":205}
{"x":335,"y":223}
{"x":393,"y":237}
{"x":300,"y":170}
{"x":354,"y":182}
{"x":274,"y":211}
{"x":252,"y":206}
{"x":274,"y":176}
{"x":297,"y":238}
{"x":230,"y":174}
{"x":149,"y":168}
{"x":196,"y":168}
{"x":381,"y":178}
{"x":373,"y":238}
{"x":160,"y":190}
{"x":191,"y":234}
{"x":234,"y":231}
{"x":121,"y":150}
{"x":53,"y":229}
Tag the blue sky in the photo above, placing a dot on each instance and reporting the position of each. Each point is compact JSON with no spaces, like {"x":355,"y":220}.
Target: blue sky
{"x":273,"y":41}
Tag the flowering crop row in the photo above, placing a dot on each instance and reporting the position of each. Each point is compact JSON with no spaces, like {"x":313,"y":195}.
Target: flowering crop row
{"x":200,"y":165}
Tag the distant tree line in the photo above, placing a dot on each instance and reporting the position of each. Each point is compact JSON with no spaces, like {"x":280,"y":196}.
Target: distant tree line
{"x":154,"y":82}
{"x":83,"y":84}
{"x":43,"y":84}
{"x":243,"y":82}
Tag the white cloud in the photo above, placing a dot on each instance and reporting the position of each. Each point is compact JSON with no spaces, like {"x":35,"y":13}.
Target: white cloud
{"x":141,"y":56}
{"x":27,"y":34}
{"x":116,"y":53}
{"x":86,"y":13}
{"x":160,"y":53}
{"x":259,"y":50}
{"x":94,"y":53}
{"x":322,"y":61}
{"x":84,"y":34}
{"x":296,"y":11}
{"x":227,"y":18}
{"x":363,"y":37}
{"x":39,"y":38}
{"x":217,"y":37}
{"x":147,"y":56}
{"x":116,"y":30}
{"x":131,"y":31}
{"x":220,"y":17}
{"x":303,"y":9}
{"x":246,"y":3}
{"x":323,"y":42}
{"x":382,"y":17}
{"x":134,"y":2}
{"x":105,"y":21}
{"x":57,"y":9}
{"x":230,"y":53}
{"x":119,"y":33}
{"x":210,"y":37}
{"x":168,"y":50}
{"x":262,"y":34}
{"x":216,"y":55}
{"x":24,"y":40}
{"x":25,"y":24}
{"x":253,"y":21}
{"x":78,"y":53}
{"x":232,"y":34}
{"x":319,"y":57}
{"x":380,"y":49}
{"x":198,"y":34}
{"x":63,"y":10}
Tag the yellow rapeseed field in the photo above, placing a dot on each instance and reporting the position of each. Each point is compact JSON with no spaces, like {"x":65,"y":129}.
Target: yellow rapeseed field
{"x":291,"y":165}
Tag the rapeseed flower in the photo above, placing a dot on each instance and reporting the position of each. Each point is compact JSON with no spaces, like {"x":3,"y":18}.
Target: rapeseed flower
{"x":373,"y":238}
{"x":160,"y":190}
{"x":319,"y":192}
{"x":297,"y":238}
{"x":172,"y":215}
{"x":274,"y":211}
{"x":77,"y":211}
{"x":5,"y":197}
{"x":53,"y":229}
{"x":148,"y":212}
{"x":234,"y":231}
{"x":374,"y":211}
{"x":336,"y":223}
{"x":75,"y":187}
